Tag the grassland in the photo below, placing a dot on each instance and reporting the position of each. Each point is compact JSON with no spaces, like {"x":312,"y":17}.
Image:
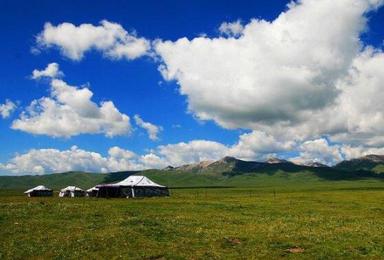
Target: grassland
{"x":313,"y":220}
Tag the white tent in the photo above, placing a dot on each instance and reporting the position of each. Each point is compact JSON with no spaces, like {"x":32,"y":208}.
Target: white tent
{"x":131,"y":187}
{"x":39,"y":191}
{"x":92,"y":189}
{"x":72,"y":191}
{"x":92,"y":192}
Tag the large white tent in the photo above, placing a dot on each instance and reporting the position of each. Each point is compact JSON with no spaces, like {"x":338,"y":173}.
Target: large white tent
{"x":72,"y":191}
{"x":39,"y":191}
{"x":131,"y":187}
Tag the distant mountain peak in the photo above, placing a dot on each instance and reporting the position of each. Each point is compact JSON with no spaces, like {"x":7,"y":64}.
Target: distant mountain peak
{"x":369,"y":162}
{"x":373,"y":157}
{"x":315,"y":164}
{"x":194,"y":166}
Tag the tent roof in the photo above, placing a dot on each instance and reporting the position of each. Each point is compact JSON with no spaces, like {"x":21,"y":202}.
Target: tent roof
{"x":92,"y":189}
{"x":138,"y":181}
{"x":135,"y":181}
{"x":71,"y":188}
{"x":40,"y":187}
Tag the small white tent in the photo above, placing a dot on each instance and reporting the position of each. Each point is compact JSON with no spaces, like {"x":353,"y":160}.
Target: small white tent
{"x":39,"y":191}
{"x":92,"y":192}
{"x":131,"y":187}
{"x":72,"y":191}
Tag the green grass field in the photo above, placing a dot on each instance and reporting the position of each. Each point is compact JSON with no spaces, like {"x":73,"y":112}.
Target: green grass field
{"x":315,"y":221}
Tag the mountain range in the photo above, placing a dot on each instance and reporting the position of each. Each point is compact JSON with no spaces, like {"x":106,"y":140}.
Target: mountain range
{"x":227,"y":171}
{"x":370,"y":163}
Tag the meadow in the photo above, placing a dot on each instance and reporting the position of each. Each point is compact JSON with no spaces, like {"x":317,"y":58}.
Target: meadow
{"x":316,"y":221}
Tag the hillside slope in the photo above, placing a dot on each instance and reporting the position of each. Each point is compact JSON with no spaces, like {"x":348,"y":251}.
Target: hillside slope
{"x":374,"y":163}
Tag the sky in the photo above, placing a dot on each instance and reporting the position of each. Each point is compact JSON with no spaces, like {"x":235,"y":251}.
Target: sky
{"x":129,"y":85}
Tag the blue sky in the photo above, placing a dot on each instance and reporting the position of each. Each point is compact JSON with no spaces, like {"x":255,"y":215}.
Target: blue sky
{"x":136,"y":87}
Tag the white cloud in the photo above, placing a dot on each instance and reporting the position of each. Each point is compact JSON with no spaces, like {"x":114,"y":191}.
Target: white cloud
{"x":360,"y":104}
{"x":231,"y":29}
{"x":109,"y":38}
{"x":258,"y":145}
{"x":51,"y":71}
{"x":120,"y":159}
{"x":356,"y":117}
{"x":152,"y":161}
{"x":69,"y":111}
{"x":7,"y":108}
{"x":321,"y":150}
{"x":299,"y":77}
{"x":191,"y":152}
{"x":351,"y":152}
{"x":119,"y":153}
{"x":44,"y":161}
{"x":318,"y":150}
{"x":152,"y":130}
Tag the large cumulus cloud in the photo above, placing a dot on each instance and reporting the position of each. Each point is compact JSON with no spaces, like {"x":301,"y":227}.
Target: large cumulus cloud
{"x":284,"y":77}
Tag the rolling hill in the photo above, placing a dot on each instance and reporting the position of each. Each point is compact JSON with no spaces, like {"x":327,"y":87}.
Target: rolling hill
{"x":372,"y":162}
{"x":228,"y":171}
